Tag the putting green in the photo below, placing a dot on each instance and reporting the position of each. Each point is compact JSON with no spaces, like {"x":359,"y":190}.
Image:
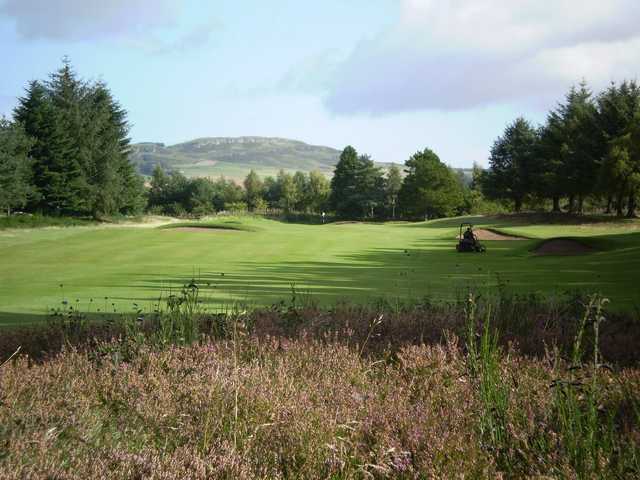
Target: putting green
{"x":345,"y":261}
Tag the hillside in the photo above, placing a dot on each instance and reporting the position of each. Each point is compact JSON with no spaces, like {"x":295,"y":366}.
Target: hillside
{"x":234,"y":156}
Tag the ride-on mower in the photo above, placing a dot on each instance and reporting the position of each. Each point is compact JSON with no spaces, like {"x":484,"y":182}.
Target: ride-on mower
{"x":468,"y":241}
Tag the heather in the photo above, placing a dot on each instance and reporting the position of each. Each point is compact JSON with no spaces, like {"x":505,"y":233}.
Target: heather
{"x":351,"y":392}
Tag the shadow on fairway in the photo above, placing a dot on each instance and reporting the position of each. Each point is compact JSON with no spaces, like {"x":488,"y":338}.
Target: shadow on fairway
{"x":429,"y":268}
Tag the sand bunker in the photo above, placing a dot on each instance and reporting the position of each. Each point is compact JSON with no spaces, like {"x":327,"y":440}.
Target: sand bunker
{"x":562,"y":246}
{"x":483,"y":234}
{"x":202,"y":229}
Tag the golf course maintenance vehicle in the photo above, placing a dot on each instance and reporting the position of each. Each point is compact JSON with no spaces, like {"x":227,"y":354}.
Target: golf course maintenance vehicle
{"x":468,"y":241}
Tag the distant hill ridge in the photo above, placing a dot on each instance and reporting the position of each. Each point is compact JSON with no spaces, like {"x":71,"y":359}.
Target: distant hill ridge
{"x":234,"y":156}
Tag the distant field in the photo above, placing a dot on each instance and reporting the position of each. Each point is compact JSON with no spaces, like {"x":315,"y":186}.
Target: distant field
{"x":107,"y":268}
{"x":234,"y":157}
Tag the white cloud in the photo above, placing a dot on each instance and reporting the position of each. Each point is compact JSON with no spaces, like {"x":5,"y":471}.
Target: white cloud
{"x":87,"y":19}
{"x":461,"y":54}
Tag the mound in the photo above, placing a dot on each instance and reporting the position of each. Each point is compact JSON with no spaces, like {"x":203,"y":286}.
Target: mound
{"x":483,"y":234}
{"x":562,"y":246}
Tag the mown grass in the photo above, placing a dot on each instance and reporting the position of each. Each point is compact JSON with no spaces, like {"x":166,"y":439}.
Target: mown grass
{"x":350,"y":392}
{"x":352,"y":261}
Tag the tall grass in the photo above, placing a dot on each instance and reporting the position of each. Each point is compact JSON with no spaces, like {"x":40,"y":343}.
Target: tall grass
{"x":588,"y":429}
{"x":484,"y":364}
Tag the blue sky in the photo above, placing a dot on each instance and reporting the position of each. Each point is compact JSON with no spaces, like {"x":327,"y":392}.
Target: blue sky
{"x":389,"y":77}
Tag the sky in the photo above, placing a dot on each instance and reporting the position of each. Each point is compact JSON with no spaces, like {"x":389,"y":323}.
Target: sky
{"x":389,"y":77}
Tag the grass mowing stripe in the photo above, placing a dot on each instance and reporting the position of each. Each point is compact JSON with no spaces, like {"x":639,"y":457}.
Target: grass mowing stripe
{"x":334,"y":261}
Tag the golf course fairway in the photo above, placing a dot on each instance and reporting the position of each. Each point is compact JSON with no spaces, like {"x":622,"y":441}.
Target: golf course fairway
{"x":254,"y":260}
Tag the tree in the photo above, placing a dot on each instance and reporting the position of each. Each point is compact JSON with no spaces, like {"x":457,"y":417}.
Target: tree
{"x":617,"y":118}
{"x":548,"y":169}
{"x":300,"y":181}
{"x":201,"y":191}
{"x":226,"y":193}
{"x":393,"y":185}
{"x":511,"y":164}
{"x":623,"y":163}
{"x":50,"y":149}
{"x":344,"y":185}
{"x":573,"y":145}
{"x":370,"y":186}
{"x":430,"y":188}
{"x":115,"y":186}
{"x":253,"y":188}
{"x":318,"y":190}
{"x":15,"y":166}
{"x":81,"y":147}
{"x":289,"y":194}
{"x":356,"y":186}
{"x":271,"y":191}
{"x":158,"y":186}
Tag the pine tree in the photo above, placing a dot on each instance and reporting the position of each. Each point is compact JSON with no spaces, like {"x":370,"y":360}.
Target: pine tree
{"x":357,"y":186}
{"x":71,"y":191}
{"x":617,"y":118}
{"x":344,"y":185}
{"x":81,"y":147}
{"x":576,"y":146}
{"x":510,"y":174}
{"x":16,"y":186}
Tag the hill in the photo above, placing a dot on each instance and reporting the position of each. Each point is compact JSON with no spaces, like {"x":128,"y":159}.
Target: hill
{"x":234,"y":156}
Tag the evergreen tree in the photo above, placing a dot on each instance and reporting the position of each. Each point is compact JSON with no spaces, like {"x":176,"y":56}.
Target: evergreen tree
{"x":575,"y":146}
{"x":510,"y":175}
{"x":618,"y":111}
{"x":430,"y":188}
{"x":370,"y":186}
{"x":357,"y":186}
{"x":344,"y":185}
{"x":50,"y":149}
{"x":115,"y":186}
{"x":16,"y":187}
{"x":81,"y":147}
{"x":623,"y":163}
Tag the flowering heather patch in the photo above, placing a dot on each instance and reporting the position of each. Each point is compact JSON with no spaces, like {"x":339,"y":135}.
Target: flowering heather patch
{"x":299,"y":408}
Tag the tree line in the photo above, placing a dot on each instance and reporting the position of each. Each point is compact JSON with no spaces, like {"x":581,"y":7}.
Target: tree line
{"x":588,"y":150}
{"x":358,"y":189}
{"x":66,"y":150}
{"x":172,"y":193}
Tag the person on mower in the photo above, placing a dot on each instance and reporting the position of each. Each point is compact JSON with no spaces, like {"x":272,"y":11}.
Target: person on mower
{"x":469,"y":237}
